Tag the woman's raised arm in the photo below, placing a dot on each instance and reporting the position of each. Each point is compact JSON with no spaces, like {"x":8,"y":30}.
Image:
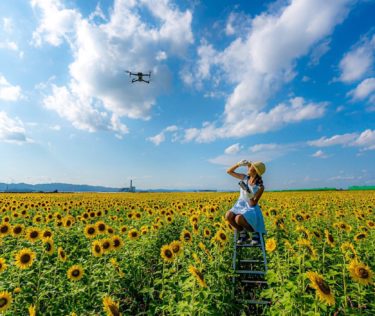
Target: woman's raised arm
{"x":237,"y":175}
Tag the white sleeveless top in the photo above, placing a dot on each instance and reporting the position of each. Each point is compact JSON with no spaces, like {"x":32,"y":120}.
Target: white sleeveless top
{"x":253,"y":189}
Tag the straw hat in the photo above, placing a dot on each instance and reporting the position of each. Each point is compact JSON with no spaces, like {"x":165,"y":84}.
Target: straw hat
{"x":259,"y":167}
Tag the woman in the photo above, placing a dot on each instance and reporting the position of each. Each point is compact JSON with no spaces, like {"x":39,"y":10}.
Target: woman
{"x":246,"y":214}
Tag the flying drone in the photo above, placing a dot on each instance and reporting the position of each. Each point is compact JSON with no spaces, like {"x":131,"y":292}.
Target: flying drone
{"x":140,"y":76}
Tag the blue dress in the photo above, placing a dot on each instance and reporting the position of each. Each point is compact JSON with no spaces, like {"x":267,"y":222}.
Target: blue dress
{"x":252,"y":214}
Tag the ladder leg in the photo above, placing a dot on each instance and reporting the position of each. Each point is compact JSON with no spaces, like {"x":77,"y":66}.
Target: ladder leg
{"x":234,"y":264}
{"x":263,"y":251}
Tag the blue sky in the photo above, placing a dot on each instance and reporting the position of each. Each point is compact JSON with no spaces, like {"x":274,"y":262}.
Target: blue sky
{"x":290,"y":83}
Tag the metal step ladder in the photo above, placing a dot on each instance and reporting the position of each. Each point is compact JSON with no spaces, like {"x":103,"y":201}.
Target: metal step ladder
{"x":250,"y":267}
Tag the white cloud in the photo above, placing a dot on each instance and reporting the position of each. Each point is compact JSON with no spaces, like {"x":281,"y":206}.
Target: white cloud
{"x":160,"y":138}
{"x":80,"y":112}
{"x":258,"y":152}
{"x":233,"y":149}
{"x":344,"y":139}
{"x":56,"y":24}
{"x":260,"y":62}
{"x":365,"y":140}
{"x":358,"y":61}
{"x":12,"y":130}
{"x":9,"y":92}
{"x":8,"y":25}
{"x":104,"y":49}
{"x":238,"y":23}
{"x":259,"y":122}
{"x":319,"y":154}
{"x":319,"y":51}
{"x":363,"y":90}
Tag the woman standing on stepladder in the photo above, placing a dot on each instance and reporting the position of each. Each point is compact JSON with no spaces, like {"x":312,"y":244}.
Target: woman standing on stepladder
{"x":246,"y":215}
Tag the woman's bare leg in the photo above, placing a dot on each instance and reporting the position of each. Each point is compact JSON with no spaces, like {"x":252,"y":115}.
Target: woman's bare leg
{"x":241,"y":221}
{"x":230,"y":217}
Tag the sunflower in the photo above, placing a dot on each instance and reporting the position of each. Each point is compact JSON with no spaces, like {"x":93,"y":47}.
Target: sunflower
{"x":117,"y":242}
{"x":68,"y":221}
{"x":61,"y":254}
{"x":111,"y":307}
{"x":17,"y":290}
{"x":206,"y":232}
{"x":298,"y":217}
{"x":5,"y":301}
{"x":329,"y":238}
{"x":304,"y":232}
{"x":342,"y":226}
{"x":46,"y":233}
{"x":186,"y":236}
{"x":144,"y":230}
{"x":123,"y":229}
{"x":106,"y":244}
{"x":25,"y":258}
{"x":5,"y":229}
{"x":18,"y":230}
{"x":3,"y":265}
{"x":101,"y":226}
{"x":33,"y":234}
{"x":90,"y":231}
{"x":133,"y":234}
{"x":96,"y":248}
{"x":306,"y":244}
{"x":360,"y":236}
{"x":360,"y":272}
{"x":316,"y":233}
{"x":198,"y":276}
{"x":370,"y":224}
{"x":49,"y":245}
{"x":271,"y":245}
{"x":75,"y":273}
{"x":176,"y":247}
{"x":322,"y":288}
{"x":348,"y":250}
{"x":221,"y":236}
{"x":166,"y":252}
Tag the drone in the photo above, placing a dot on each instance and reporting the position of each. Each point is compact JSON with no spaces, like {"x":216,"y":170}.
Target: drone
{"x":140,"y":76}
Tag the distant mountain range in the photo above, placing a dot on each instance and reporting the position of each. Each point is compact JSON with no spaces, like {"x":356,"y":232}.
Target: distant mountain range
{"x":67,"y":187}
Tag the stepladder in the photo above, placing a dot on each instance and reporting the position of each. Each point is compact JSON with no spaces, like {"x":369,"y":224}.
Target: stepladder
{"x":250,"y":268}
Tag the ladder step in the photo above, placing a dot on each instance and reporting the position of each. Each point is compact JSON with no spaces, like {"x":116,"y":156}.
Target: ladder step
{"x":248,"y":246}
{"x":250,"y":272}
{"x":255,"y":302}
{"x":251,"y":261}
{"x":259,"y":282}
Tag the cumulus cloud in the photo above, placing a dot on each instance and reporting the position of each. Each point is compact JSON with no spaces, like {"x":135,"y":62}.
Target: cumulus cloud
{"x":78,"y":109}
{"x":364,"y":140}
{"x":358,"y":61}
{"x":254,"y":122}
{"x":260,"y":62}
{"x":233,"y":149}
{"x":160,"y":138}
{"x":104,"y":47}
{"x":363,"y":90}
{"x":56,"y":23}
{"x":334,"y":140}
{"x":8,"y":92}
{"x":12,"y":130}
{"x":258,"y":152}
{"x":319,"y":154}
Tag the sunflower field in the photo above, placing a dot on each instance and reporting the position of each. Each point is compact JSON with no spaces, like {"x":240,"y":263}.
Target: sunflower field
{"x":171,"y":254}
